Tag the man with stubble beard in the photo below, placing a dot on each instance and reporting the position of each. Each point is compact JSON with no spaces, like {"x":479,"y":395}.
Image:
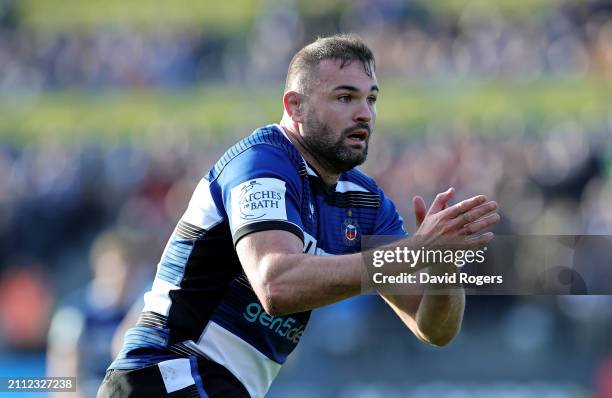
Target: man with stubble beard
{"x":274,"y":231}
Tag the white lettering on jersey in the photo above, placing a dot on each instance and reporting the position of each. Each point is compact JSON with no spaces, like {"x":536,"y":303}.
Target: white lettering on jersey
{"x":259,"y":199}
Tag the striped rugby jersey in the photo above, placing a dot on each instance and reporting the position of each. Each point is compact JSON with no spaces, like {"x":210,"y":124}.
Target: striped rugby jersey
{"x":201,"y":303}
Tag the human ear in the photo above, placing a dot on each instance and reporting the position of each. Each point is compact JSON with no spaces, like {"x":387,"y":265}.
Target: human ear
{"x":292,"y":101}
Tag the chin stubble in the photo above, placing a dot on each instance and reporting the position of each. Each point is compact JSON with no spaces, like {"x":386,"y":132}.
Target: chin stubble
{"x":335,"y":153}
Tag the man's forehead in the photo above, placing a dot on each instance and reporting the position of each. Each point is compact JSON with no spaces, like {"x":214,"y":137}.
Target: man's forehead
{"x":329,"y":73}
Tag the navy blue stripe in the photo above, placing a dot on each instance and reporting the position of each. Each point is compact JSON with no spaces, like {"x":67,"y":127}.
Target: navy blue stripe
{"x":179,"y":258}
{"x":169,"y":278}
{"x":148,"y":337}
{"x":140,"y":362}
{"x":149,"y":334}
{"x":177,"y":251}
{"x":139,"y":338}
{"x":174,"y":267}
{"x":170,"y":273}
{"x":195,"y":373}
{"x":173,"y":260}
{"x":171,"y":269}
{"x":242,"y":146}
{"x":178,"y":255}
{"x":185,"y":246}
{"x":180,"y":249}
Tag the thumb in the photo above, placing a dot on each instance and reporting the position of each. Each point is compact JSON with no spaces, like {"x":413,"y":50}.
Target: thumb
{"x":441,"y":200}
{"x":420,"y":210}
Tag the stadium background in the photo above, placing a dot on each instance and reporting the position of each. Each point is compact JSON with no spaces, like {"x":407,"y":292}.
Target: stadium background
{"x":111,"y":111}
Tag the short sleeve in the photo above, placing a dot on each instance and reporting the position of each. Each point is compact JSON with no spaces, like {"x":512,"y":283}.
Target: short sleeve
{"x":388,"y":222}
{"x":260,"y":190}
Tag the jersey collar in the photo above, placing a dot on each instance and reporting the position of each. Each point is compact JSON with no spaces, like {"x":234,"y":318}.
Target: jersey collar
{"x":340,"y":186}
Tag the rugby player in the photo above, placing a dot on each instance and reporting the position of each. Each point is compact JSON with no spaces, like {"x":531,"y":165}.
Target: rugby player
{"x":273,"y":231}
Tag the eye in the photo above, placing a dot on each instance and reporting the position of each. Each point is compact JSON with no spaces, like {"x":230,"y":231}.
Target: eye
{"x":344,"y":99}
{"x":372,"y":99}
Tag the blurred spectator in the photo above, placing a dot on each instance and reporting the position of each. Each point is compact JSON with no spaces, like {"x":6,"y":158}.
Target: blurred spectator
{"x":84,"y":325}
{"x":26,"y":298}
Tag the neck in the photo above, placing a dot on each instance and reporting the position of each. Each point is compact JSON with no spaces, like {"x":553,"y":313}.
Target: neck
{"x":325,"y":170}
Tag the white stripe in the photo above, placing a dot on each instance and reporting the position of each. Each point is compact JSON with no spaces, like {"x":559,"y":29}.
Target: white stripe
{"x":254,"y":370}
{"x":309,"y":170}
{"x":158,"y":299}
{"x":176,"y":374}
{"x":202,"y":211}
{"x":346,"y":186}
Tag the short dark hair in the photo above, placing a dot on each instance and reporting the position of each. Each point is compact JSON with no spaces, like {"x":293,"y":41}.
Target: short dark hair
{"x":345,"y":48}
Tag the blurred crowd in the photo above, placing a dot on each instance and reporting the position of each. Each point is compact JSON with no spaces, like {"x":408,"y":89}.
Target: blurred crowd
{"x":411,"y":40}
{"x":61,"y":195}
{"x":61,"y":202}
{"x":57,"y":202}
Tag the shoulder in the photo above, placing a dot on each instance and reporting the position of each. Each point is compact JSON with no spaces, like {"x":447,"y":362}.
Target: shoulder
{"x":356,"y":180}
{"x":266,"y":146}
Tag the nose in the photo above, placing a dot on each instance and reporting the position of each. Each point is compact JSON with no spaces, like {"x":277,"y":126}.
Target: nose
{"x":364,"y":113}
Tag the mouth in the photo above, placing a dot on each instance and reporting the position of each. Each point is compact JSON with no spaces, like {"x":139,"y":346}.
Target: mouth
{"x":358,"y":136}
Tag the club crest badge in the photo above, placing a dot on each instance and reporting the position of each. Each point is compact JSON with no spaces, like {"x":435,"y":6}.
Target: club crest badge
{"x":351,"y":232}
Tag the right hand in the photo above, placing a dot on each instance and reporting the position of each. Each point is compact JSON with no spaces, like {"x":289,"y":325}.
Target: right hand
{"x":457,"y":226}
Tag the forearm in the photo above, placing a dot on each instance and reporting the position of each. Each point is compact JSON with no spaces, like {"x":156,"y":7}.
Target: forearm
{"x":439,"y":316}
{"x":433,"y":314}
{"x":288,"y":281}
{"x":300,"y":282}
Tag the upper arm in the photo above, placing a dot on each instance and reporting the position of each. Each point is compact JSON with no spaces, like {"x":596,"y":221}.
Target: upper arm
{"x":259,"y":251}
{"x":260,"y":191}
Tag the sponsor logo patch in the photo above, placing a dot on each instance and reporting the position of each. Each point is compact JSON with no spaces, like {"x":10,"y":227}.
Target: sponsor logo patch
{"x":258,"y":200}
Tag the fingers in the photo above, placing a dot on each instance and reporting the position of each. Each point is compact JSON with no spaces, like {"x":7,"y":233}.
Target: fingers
{"x":464,"y":220}
{"x":479,"y":225}
{"x":476,"y":241}
{"x":471,"y":216}
{"x":441,"y":200}
{"x":420,"y":210}
{"x":464,"y":206}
